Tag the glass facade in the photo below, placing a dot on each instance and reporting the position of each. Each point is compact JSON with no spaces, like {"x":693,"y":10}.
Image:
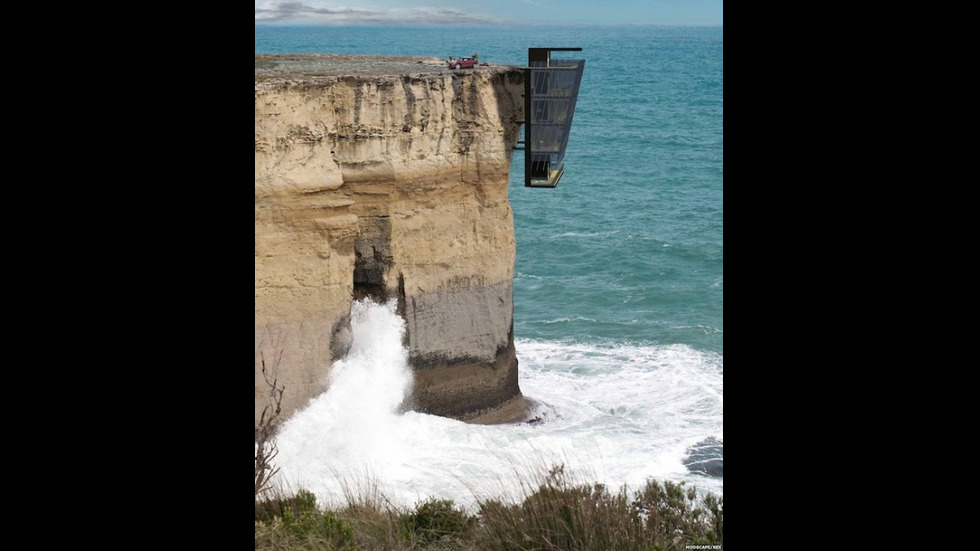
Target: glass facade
{"x":550,"y":90}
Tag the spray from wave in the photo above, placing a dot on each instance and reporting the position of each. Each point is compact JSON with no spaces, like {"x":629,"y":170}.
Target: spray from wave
{"x":593,"y":417}
{"x":351,"y":430}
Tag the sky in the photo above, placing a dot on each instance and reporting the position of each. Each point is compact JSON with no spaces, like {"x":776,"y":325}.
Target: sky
{"x":492,"y":12}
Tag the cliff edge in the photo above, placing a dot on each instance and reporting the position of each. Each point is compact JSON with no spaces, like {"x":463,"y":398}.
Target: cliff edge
{"x":387,"y":177}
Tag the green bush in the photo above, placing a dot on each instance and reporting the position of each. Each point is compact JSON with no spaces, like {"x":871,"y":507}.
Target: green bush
{"x":303,"y":526}
{"x":673,"y":518}
{"x":436,"y":520}
{"x":559,"y":515}
{"x":276,"y":505}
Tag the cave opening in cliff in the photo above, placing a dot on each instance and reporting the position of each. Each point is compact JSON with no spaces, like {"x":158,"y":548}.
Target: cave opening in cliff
{"x":372,"y":258}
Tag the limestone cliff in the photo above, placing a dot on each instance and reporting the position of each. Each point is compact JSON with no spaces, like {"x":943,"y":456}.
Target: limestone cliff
{"x":387,"y":177}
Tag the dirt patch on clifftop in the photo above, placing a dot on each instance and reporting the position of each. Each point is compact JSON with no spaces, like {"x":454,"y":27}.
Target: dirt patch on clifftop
{"x":303,"y":67}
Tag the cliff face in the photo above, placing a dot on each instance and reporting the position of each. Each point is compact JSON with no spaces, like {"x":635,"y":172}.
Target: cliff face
{"x":387,"y":181}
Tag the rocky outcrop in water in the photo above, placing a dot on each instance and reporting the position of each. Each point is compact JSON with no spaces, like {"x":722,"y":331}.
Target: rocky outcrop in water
{"x":706,"y":457}
{"x":387,"y":178}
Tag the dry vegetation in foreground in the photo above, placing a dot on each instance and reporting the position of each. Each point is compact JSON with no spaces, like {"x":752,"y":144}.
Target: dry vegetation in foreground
{"x":559,"y":514}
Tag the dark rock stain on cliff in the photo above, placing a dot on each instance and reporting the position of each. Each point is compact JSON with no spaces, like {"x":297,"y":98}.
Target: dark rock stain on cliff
{"x":409,"y":104}
{"x":400,"y":307}
{"x":341,"y":337}
{"x":461,"y":109}
{"x":358,"y":98}
{"x":512,"y":124}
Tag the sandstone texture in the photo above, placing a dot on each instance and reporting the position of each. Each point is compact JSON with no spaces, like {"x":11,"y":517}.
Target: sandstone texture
{"x":387,"y":178}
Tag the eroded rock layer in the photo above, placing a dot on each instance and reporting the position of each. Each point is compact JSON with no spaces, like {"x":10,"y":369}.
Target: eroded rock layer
{"x":389,"y":181}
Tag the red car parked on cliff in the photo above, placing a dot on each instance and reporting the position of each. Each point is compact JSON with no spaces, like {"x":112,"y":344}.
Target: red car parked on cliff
{"x":462,"y":63}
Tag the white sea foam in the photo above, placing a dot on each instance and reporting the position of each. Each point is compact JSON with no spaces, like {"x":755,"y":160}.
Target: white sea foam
{"x":616,"y":415}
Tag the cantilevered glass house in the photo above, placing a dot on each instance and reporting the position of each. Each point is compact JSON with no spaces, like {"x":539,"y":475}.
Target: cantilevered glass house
{"x":550,"y":90}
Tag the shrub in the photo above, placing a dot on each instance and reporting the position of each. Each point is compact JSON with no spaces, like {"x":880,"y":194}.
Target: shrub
{"x":303,"y":526}
{"x":566,"y":516}
{"x":277,"y":505}
{"x":673,"y":517}
{"x":559,"y":515}
{"x":436,"y":520}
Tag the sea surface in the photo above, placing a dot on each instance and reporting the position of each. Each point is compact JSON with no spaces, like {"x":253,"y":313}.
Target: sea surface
{"x":618,"y":288}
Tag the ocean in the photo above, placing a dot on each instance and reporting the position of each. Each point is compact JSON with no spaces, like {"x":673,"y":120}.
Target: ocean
{"x":618,"y":288}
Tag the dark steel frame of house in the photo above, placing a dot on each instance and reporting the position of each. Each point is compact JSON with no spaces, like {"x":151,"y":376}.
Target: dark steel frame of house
{"x":550,"y":91}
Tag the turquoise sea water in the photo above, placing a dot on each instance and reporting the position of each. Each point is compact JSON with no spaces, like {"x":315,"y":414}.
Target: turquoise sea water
{"x":618,"y":288}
